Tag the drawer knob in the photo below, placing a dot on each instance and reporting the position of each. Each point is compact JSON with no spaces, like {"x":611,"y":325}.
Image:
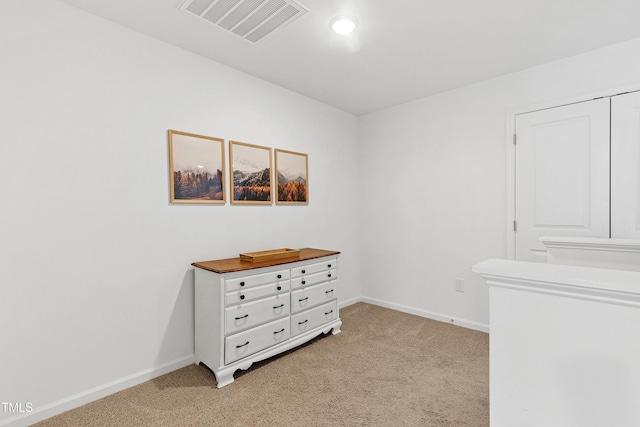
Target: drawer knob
{"x":329,"y":312}
{"x":301,"y":323}
{"x":242,"y":297}
{"x":329,"y":291}
{"x":241,"y":283}
{"x":304,"y":282}
{"x":277,"y":332}
{"x":242,"y":317}
{"x":278,"y":306}
{"x":242,"y":345}
{"x":279,"y":288}
{"x":304,"y":271}
{"x":329,"y":275}
{"x":329,"y":265}
{"x":279,"y":276}
{"x":303,"y":299}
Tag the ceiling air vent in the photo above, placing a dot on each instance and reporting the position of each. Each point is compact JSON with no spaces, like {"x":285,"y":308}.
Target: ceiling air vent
{"x":250,"y":19}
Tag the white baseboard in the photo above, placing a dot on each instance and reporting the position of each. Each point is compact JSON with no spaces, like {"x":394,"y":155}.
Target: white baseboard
{"x":82,"y":398}
{"x":349,"y":302}
{"x":422,"y":313}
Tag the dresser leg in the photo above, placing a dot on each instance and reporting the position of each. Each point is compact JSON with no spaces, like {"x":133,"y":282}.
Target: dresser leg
{"x":336,"y":328}
{"x":224,"y":377}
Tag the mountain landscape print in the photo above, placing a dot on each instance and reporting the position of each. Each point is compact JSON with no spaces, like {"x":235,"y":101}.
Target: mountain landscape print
{"x":251,"y":173}
{"x":291,"y":177}
{"x":197,"y":168}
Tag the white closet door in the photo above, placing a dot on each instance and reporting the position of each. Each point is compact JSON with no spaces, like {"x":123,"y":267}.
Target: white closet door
{"x":625,"y":166}
{"x":562,"y":175}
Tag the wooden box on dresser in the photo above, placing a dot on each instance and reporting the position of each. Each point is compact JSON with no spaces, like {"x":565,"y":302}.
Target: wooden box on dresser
{"x":249,"y":311}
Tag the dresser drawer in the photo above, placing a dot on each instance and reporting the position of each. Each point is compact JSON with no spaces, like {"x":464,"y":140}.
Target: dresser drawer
{"x":244,"y":282}
{"x":303,"y":299}
{"x":256,"y":292}
{"x":253,"y":313}
{"x":310,"y":319}
{"x":252,"y":341}
{"x":312,"y":279}
{"x":314,"y":268}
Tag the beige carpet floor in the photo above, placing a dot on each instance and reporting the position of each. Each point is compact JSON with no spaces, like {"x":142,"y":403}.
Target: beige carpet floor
{"x":386,"y":368}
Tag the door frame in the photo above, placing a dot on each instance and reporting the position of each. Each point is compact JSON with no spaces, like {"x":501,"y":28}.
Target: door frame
{"x":511,"y":148}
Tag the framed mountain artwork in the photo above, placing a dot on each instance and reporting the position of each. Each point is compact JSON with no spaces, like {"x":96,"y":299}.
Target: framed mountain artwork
{"x":196,"y":166}
{"x":292,"y":178}
{"x":250,"y":173}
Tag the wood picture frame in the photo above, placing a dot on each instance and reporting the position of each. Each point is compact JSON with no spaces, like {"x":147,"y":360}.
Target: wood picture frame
{"x":250,"y":173}
{"x":292,"y":178}
{"x":196,"y":168}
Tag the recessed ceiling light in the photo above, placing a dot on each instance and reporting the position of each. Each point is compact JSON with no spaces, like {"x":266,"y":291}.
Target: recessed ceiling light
{"x":343,"y":25}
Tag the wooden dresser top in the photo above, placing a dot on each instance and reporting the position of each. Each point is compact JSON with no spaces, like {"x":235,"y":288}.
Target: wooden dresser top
{"x":235,"y":264}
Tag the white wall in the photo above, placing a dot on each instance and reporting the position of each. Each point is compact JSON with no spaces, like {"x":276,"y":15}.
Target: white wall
{"x":96,"y":287}
{"x":435,"y":170}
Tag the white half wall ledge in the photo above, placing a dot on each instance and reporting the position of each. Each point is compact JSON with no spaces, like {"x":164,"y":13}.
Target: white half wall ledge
{"x":610,"y":286}
{"x":564,"y":344}
{"x":621,"y":254}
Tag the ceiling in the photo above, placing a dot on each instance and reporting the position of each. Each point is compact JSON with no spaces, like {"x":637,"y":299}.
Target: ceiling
{"x":401,"y":50}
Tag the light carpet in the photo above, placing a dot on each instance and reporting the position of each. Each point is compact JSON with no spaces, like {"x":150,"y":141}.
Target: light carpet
{"x":386,"y":368}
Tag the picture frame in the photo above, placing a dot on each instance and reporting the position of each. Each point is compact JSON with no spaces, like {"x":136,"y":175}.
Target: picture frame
{"x":292,"y":178}
{"x":196,"y":168}
{"x":250,"y":173}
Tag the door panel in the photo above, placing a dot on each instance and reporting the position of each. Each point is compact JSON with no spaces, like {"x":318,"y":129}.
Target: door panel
{"x":625,"y":166}
{"x":562,"y":175}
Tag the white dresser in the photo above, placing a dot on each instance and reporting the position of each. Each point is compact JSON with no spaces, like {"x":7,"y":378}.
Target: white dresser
{"x":250,"y":311}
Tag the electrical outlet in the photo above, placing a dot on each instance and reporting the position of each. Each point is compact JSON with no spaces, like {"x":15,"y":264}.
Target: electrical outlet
{"x":459,"y":284}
